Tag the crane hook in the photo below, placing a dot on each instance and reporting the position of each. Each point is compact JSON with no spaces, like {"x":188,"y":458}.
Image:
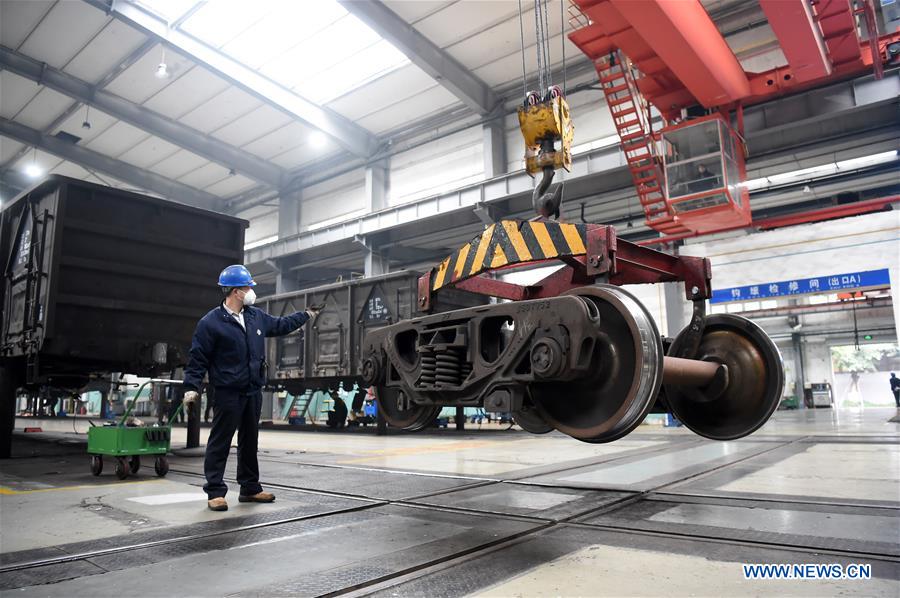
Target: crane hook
{"x":546,"y":203}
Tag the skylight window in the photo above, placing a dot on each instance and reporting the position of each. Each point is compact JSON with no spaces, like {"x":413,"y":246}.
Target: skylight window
{"x":217,"y":23}
{"x":370,"y":63}
{"x":317,"y":49}
{"x":170,"y":10}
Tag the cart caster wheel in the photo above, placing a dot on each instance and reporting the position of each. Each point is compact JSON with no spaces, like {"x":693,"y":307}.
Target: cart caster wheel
{"x":135,"y":464}
{"x":96,"y":464}
{"x":161,"y":466}
{"x":121,"y":468}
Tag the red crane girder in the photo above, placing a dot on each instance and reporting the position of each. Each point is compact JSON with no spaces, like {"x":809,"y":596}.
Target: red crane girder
{"x":800,"y":37}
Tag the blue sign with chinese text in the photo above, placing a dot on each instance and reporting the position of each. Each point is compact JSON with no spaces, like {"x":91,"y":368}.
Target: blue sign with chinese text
{"x":803,"y":286}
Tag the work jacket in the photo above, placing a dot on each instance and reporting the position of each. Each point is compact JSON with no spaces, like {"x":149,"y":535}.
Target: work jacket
{"x":235,"y":357}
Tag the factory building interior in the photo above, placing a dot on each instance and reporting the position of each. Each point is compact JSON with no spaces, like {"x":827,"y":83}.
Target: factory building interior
{"x":449,"y":298}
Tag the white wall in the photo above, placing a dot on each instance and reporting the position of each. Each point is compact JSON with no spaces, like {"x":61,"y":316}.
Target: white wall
{"x":867,"y":242}
{"x":441,"y":165}
{"x":817,"y":362}
{"x":860,"y":243}
{"x":338,"y":198}
{"x":263,"y":223}
{"x":431,"y":168}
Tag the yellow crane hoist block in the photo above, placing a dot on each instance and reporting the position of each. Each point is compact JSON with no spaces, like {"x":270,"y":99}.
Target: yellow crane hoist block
{"x":548,"y":133}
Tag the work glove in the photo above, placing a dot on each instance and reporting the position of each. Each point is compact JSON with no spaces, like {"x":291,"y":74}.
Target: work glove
{"x":191,"y":396}
{"x":313,"y":310}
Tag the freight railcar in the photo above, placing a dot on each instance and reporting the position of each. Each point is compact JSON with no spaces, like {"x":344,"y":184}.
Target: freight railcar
{"x":98,"y":280}
{"x":328,"y":353}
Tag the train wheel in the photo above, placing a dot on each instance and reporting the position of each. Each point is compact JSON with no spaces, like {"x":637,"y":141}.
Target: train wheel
{"x":135,"y":464}
{"x":400,"y":412}
{"x":121,"y":468}
{"x":755,"y":380}
{"x":96,"y":464}
{"x":627,"y":365}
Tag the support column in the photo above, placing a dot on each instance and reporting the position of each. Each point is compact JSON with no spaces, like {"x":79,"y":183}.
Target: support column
{"x":494,"y":144}
{"x":375,"y":263}
{"x":799,"y":373}
{"x":285,"y":280}
{"x":10,"y":378}
{"x":158,"y":397}
{"x":193,"y":424}
{"x":460,"y":418}
{"x":894,"y":277}
{"x":380,"y":423}
{"x":288,"y":214}
{"x":377,"y":185}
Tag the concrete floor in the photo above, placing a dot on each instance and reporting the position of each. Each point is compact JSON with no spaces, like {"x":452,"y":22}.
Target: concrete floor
{"x":491,"y":512}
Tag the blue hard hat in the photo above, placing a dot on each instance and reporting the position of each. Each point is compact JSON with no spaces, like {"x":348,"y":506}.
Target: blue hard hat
{"x":236,"y":276}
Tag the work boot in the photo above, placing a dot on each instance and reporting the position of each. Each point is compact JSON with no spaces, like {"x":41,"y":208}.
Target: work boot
{"x":217,"y":504}
{"x":259,"y":497}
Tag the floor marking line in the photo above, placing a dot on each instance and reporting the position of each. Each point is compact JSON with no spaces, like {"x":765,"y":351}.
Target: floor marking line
{"x":5,"y":491}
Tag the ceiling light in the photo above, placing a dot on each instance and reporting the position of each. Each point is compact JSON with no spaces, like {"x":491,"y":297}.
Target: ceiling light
{"x":33,"y":171}
{"x":317,"y":139}
{"x":162,"y":69}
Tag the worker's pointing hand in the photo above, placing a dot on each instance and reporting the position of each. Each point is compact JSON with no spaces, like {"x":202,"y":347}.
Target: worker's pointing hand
{"x":313,"y":310}
{"x":191,"y":396}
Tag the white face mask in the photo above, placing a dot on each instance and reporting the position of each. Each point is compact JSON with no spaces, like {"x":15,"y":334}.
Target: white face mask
{"x":250,"y":297}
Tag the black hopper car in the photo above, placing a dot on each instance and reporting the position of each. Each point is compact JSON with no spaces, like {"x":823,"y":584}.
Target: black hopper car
{"x":328,"y":355}
{"x":99,"y":280}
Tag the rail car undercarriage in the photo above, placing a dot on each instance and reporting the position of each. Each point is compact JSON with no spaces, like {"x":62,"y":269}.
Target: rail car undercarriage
{"x":575,"y":352}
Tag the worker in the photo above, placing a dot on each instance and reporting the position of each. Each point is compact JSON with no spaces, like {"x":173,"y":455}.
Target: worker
{"x":229,"y":346}
{"x":337,"y":417}
{"x":895,"y":388}
{"x":704,"y":180}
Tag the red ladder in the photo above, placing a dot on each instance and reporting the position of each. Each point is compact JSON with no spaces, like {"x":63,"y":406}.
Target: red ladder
{"x":629,"y":113}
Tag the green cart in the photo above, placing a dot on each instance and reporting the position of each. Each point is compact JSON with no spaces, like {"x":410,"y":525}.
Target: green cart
{"x":128,"y":443}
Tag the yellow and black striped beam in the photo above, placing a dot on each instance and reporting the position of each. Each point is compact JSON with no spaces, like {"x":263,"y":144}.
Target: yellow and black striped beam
{"x":511,"y":242}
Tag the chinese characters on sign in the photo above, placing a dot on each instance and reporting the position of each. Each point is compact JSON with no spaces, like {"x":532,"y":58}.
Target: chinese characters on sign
{"x":803,"y":286}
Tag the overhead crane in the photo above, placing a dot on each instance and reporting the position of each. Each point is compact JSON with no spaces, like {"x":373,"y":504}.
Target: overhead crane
{"x":666,"y":62}
{"x":575,"y":352}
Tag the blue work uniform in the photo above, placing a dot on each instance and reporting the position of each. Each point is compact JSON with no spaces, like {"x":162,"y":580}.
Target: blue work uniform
{"x":234,"y":358}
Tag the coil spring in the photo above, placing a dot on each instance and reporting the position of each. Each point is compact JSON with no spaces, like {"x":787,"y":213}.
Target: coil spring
{"x":449,"y":371}
{"x":429,"y":367}
{"x":447,"y":368}
{"x":466,"y":370}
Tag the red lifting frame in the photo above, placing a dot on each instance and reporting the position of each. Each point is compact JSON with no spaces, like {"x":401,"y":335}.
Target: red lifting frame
{"x":607,"y":259}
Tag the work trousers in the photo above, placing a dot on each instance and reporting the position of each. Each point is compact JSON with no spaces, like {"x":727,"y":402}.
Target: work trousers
{"x":235,"y":410}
